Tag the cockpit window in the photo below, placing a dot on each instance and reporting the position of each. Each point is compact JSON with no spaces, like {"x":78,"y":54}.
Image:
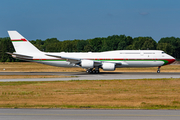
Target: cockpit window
{"x":163,"y":53}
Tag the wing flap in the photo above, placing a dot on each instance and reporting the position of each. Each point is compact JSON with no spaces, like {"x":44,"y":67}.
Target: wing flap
{"x":71,"y":60}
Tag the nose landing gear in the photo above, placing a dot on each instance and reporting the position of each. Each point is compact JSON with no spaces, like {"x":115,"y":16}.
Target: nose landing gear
{"x":158,"y":71}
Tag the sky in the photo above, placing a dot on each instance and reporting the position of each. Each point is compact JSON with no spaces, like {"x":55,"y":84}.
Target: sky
{"x":87,"y":19}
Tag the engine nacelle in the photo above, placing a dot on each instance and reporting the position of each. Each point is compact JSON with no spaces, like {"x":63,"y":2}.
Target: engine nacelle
{"x":108,"y":66}
{"x":87,"y":63}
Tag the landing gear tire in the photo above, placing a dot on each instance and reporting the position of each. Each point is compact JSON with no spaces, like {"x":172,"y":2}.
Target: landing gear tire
{"x":97,"y":71}
{"x":89,"y":71}
{"x":158,"y":71}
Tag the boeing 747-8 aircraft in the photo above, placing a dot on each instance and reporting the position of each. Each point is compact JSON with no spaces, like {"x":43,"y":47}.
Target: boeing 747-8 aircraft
{"x":91,"y":61}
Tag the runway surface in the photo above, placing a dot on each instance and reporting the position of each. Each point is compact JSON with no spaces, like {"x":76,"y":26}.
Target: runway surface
{"x":60,"y":114}
{"x":85,"y":76}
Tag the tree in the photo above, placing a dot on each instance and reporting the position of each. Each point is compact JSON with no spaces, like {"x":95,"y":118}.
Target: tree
{"x":50,"y":45}
{"x":166,"y":48}
{"x":81,"y":44}
{"x":144,"y":43}
{"x":170,"y":45}
{"x":6,"y":46}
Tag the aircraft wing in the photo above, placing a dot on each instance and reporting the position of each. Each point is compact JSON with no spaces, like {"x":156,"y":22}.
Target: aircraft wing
{"x":67,"y":58}
{"x":73,"y":60}
{"x":77,"y":60}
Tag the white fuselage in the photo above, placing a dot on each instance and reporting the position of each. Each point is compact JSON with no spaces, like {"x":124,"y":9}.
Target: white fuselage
{"x":126,"y":58}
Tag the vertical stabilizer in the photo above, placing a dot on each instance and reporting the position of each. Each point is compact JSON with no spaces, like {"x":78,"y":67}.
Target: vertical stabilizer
{"x":21,"y":44}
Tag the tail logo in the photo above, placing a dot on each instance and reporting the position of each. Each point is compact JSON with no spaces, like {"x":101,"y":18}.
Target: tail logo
{"x":19,"y":40}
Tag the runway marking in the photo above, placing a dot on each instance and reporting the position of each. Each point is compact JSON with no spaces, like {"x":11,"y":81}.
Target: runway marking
{"x":84,"y":76}
{"x":128,"y":115}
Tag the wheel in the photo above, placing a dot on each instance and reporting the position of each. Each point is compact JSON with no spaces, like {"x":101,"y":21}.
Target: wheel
{"x":97,"y":71}
{"x":93,"y":71}
{"x":89,"y":71}
{"x":158,"y":71}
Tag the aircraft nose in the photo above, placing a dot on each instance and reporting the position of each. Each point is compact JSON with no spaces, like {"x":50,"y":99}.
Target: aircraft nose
{"x":174,"y":59}
{"x":171,"y":60}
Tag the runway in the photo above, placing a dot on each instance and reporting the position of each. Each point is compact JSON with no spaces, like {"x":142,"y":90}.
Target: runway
{"x":56,"y":114}
{"x":85,"y":76}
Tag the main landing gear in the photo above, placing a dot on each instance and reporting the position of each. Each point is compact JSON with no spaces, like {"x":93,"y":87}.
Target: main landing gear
{"x":94,"y":71}
{"x":158,"y":71}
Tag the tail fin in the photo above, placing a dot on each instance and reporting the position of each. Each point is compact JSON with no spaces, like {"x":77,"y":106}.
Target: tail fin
{"x":20,"y":44}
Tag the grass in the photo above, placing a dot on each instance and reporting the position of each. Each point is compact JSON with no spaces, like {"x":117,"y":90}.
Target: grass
{"x":33,"y":67}
{"x":88,"y":94}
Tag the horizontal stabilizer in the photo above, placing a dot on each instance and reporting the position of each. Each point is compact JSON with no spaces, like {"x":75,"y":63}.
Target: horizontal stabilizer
{"x":20,"y":56}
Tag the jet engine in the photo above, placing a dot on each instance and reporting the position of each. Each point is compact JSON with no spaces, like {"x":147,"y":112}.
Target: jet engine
{"x":87,"y":63}
{"x":108,"y":66}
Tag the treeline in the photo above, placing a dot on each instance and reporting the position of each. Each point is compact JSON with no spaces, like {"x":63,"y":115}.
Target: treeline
{"x":170,"y":45}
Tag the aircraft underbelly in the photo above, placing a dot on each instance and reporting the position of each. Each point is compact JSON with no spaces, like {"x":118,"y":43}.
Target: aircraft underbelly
{"x":58,"y":63}
{"x":144,"y":63}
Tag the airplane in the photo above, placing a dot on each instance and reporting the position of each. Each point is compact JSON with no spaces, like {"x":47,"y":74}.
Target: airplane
{"x":91,"y":61}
